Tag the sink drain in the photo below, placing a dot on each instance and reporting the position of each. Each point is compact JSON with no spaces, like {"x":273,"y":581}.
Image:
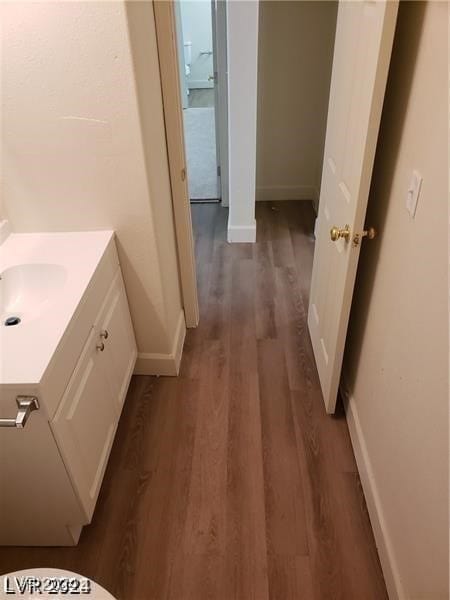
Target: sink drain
{"x":10,"y":321}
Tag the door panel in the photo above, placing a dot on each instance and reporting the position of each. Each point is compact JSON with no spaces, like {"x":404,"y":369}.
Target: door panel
{"x":85,"y":423}
{"x":364,"y":36}
{"x":119,"y":354}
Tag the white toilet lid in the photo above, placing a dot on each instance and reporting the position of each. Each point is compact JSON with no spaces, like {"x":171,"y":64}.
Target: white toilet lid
{"x":21,"y":584}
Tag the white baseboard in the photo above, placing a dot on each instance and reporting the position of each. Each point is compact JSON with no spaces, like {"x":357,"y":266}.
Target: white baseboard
{"x":148,"y":363}
{"x":242,"y":233}
{"x":199,"y":84}
{"x":382,"y":539}
{"x":287,"y":192}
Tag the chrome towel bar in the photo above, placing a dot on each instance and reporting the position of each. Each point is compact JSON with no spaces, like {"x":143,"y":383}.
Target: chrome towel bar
{"x":26,"y":405}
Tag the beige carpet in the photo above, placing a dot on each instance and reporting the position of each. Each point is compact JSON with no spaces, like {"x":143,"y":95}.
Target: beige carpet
{"x":200,"y":139}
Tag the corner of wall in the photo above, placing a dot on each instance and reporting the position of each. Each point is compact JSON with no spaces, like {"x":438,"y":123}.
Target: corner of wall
{"x":164,"y":364}
{"x":144,"y":52}
{"x":242,"y":233}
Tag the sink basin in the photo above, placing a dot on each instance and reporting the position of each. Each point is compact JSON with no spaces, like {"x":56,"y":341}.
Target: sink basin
{"x":43,"y":279}
{"x":27,"y":290}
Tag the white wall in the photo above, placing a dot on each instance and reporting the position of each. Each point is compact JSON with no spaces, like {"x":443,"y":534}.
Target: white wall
{"x":242,"y":34}
{"x":197,"y":28}
{"x":296,"y":42}
{"x":397,"y":352}
{"x":83,"y":147}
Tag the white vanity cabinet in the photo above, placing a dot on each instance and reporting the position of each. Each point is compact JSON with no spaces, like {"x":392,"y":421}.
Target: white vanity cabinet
{"x":51,"y":470}
{"x":85,"y":422}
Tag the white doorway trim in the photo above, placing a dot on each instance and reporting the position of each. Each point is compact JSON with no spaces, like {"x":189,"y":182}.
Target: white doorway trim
{"x":181,"y":59}
{"x":170,"y":80}
{"x":219,"y":16}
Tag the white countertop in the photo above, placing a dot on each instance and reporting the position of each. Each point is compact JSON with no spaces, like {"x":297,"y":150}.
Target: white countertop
{"x":27,"y":349}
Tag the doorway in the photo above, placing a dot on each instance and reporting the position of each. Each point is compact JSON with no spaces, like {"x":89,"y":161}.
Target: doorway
{"x":252,"y":345}
{"x":292,"y":172}
{"x":196,"y":43}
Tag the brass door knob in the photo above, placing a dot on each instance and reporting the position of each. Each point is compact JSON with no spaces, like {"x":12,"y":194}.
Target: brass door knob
{"x":336,"y":233}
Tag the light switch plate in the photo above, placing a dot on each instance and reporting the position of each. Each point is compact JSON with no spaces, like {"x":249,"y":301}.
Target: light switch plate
{"x":412,"y":196}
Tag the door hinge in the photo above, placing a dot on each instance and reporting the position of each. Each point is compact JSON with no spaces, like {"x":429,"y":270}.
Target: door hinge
{"x":218,"y":170}
{"x":183,"y":174}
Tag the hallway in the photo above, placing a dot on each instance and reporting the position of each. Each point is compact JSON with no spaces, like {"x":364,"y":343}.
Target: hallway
{"x":230,"y":482}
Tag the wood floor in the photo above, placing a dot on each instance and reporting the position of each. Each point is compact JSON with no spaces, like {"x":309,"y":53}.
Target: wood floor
{"x":230,"y":482}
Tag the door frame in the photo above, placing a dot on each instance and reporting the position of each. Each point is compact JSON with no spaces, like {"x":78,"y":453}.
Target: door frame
{"x":181,"y":58}
{"x":166,"y":36}
{"x":219,"y":17}
{"x":216,"y":95}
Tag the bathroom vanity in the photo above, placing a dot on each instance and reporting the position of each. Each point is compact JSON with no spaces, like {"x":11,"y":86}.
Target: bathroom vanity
{"x":66,"y":361}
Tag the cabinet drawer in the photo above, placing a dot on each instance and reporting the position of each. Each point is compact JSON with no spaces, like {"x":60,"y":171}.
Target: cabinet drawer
{"x":85,"y":423}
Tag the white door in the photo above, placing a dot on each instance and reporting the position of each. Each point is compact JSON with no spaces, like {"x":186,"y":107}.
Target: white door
{"x":363,"y":45}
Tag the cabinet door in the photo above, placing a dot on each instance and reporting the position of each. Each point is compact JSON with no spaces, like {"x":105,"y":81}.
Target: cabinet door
{"x":84,"y":424}
{"x":115,"y":332}
{"x":37,"y":499}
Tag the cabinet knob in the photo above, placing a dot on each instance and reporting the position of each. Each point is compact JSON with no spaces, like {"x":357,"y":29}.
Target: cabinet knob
{"x":104,"y":334}
{"x":100,"y":346}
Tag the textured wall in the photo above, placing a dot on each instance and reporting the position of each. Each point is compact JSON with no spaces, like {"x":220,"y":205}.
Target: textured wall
{"x":296,"y":41}
{"x":84,"y":143}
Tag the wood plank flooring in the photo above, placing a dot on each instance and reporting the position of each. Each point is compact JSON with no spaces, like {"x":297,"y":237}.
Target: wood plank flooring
{"x":230,"y":482}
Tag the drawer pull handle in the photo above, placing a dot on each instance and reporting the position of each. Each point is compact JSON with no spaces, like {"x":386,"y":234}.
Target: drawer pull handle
{"x":100,"y":346}
{"x":104,"y":334}
{"x":26,"y":405}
